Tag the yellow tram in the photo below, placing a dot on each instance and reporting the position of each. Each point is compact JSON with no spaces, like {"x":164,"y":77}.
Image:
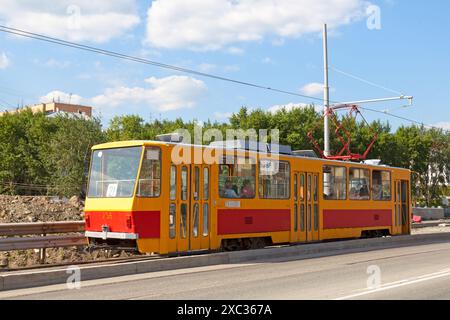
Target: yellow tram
{"x":140,"y":198}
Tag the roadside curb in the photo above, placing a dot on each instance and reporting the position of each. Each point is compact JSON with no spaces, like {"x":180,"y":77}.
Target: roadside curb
{"x":428,"y":224}
{"x":35,"y":278}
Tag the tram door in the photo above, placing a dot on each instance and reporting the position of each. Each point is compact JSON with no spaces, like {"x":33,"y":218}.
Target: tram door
{"x":308,"y":206}
{"x":300,"y":207}
{"x":315,"y":207}
{"x":183,"y":204}
{"x":312,"y":207}
{"x":193,"y":202}
{"x":402,"y":214}
{"x":406,"y":214}
{"x":200,"y":208}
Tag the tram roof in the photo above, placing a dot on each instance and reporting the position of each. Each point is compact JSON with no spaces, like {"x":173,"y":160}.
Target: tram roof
{"x":138,"y":143}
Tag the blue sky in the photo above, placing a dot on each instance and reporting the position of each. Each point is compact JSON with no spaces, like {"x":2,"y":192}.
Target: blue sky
{"x":273,"y":43}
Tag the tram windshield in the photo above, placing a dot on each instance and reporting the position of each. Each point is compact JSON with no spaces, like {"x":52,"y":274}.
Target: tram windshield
{"x":114,"y":172}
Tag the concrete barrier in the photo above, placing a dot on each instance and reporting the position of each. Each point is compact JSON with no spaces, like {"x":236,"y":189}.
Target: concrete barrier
{"x":429,"y":213}
{"x":34,"y":278}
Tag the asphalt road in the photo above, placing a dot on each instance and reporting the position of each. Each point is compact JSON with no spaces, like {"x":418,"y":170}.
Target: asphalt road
{"x":420,"y":272}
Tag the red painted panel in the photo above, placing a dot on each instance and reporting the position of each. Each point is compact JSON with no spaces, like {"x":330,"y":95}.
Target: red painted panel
{"x":339,"y":219}
{"x":237,"y":221}
{"x":145,"y":223}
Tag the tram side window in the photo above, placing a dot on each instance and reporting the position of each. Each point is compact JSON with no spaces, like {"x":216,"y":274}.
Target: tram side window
{"x":150,"y":178}
{"x":274,"y":179}
{"x":237,"y":179}
{"x":381,"y":185}
{"x":334,"y":183}
{"x":359,"y":181}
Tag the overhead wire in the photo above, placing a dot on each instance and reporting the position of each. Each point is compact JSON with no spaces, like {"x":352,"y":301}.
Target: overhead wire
{"x":41,"y":37}
{"x":385,"y":112}
{"x":114,"y":54}
{"x":365,"y":81}
{"x":404,"y":118}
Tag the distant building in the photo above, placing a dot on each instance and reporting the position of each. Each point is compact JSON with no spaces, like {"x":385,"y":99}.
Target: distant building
{"x":55,"y":108}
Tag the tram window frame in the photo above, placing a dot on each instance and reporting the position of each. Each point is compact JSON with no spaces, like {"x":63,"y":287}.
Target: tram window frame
{"x":295,"y":187}
{"x":384,"y":182}
{"x":159,"y":161}
{"x":206,"y":183}
{"x":206,"y":216}
{"x":173,"y":183}
{"x":234,"y":167}
{"x":172,"y":221}
{"x":302,"y":187}
{"x":184,"y":220}
{"x":351,"y":172}
{"x":287,"y":179}
{"x":184,"y":180}
{"x":93,"y":172}
{"x":196,"y":194}
{"x":295,"y":217}
{"x":335,"y":196}
{"x":196,"y":220}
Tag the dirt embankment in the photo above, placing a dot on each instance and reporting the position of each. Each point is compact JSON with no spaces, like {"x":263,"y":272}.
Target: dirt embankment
{"x":15,"y":209}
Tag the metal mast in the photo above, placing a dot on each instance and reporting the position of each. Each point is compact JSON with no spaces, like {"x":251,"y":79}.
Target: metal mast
{"x":326,"y":94}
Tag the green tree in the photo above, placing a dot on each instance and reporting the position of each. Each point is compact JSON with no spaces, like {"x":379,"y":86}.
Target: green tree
{"x":69,"y":152}
{"x":122,"y":128}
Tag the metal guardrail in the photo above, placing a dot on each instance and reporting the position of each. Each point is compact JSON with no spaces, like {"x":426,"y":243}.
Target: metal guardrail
{"x":23,"y":229}
{"x":26,"y":243}
{"x":17,"y":236}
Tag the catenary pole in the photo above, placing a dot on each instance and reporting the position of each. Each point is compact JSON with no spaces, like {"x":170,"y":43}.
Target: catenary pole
{"x":326,"y":94}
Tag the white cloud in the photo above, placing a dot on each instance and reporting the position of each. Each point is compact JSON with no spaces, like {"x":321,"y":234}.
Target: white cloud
{"x":287,"y":107}
{"x":73,"y":20}
{"x":207,"y":67}
{"x":312,"y":89}
{"x":216,"y":24}
{"x":291,"y":106}
{"x":59,"y":96}
{"x":267,"y":60}
{"x":4,"y":61}
{"x":222,"y":115}
{"x":443,"y":125}
{"x":231,"y":68}
{"x":53,"y":63}
{"x":164,"y":94}
{"x":235,"y":51}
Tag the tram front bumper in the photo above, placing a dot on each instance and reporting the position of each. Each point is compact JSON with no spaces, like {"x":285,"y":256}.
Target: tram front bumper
{"x":111,"y":235}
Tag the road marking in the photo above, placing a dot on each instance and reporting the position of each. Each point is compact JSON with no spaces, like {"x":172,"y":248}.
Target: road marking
{"x":400,"y":283}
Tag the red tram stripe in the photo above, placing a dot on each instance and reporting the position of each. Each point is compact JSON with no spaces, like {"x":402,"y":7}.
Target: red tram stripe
{"x":145,"y":223}
{"x":232,"y":221}
{"x":339,"y":219}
